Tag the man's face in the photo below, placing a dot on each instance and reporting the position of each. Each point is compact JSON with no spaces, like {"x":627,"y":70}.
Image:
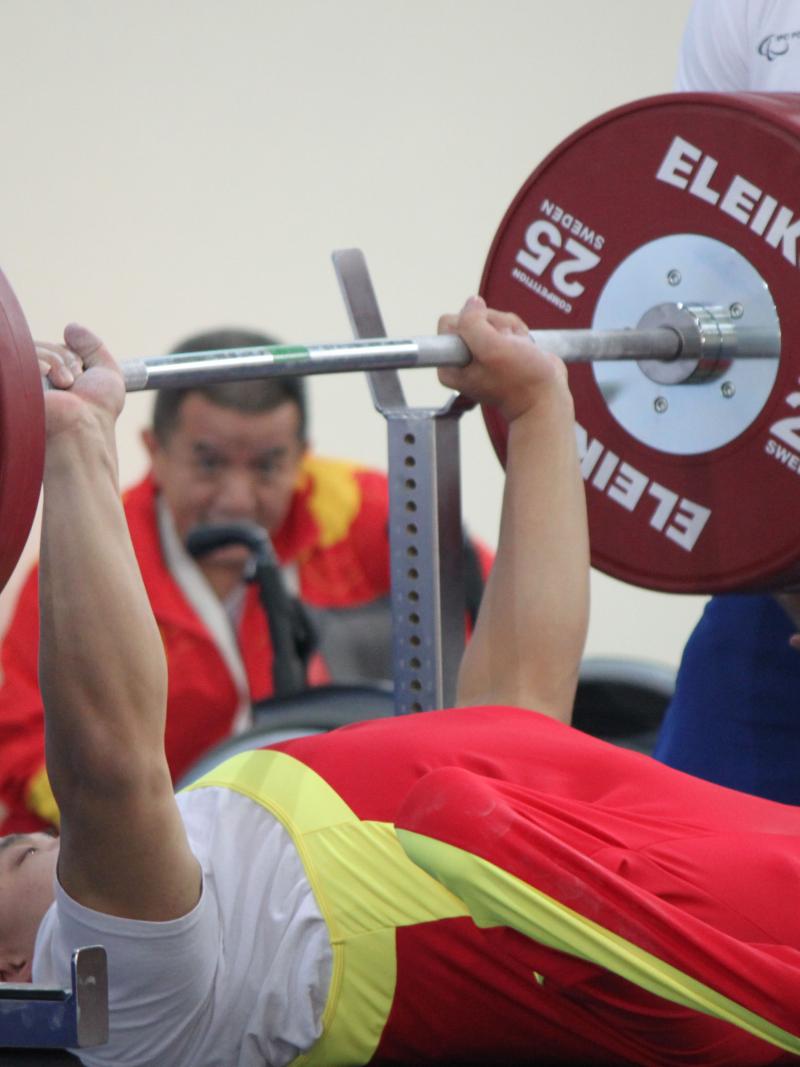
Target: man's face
{"x":221,"y":465}
{"x":27,"y":888}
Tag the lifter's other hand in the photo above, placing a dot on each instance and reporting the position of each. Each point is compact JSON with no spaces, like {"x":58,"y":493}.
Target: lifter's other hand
{"x":87,"y":385}
{"x":507,"y":369}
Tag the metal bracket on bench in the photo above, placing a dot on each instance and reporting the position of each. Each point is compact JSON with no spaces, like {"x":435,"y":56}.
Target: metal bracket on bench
{"x":53,"y":1017}
{"x":425,"y":532}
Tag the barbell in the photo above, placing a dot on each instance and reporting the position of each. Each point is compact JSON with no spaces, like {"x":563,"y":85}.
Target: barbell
{"x":664,"y":233}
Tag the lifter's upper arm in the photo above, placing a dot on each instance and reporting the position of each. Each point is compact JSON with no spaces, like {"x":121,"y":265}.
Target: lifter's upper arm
{"x":124,"y":851}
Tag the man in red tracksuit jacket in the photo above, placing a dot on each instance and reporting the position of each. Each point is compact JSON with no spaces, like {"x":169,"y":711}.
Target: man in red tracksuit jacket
{"x":203,"y":695}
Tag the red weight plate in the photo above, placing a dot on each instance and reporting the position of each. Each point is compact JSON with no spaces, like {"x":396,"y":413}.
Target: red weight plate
{"x":725,"y":517}
{"x":21,"y":431}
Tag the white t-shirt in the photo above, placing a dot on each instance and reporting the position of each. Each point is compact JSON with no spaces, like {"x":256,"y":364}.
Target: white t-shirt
{"x":741,"y":46}
{"x":238,"y":982}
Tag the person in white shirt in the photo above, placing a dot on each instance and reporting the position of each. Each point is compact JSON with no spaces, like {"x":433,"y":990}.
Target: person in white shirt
{"x":740,"y":46}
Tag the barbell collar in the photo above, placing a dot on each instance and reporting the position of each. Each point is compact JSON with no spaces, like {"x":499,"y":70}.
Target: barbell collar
{"x":710,"y":340}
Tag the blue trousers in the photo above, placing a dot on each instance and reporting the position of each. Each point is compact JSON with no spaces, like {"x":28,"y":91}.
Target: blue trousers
{"x":735,"y":715}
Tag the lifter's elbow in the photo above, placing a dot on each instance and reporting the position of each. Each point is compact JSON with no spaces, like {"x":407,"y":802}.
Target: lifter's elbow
{"x":553,"y":696}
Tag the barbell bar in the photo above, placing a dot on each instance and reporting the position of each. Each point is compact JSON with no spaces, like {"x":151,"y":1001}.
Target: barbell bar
{"x":205,"y":368}
{"x":694,"y":340}
{"x":664,"y":233}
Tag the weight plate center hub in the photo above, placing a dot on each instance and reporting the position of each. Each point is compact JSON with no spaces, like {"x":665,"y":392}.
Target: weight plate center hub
{"x":710,"y":407}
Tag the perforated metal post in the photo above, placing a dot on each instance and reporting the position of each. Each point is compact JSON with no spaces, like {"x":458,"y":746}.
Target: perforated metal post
{"x":427,"y":557}
{"x":425,"y":534}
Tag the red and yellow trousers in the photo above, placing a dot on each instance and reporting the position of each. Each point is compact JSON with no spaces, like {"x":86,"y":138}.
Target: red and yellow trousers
{"x":499,"y":887}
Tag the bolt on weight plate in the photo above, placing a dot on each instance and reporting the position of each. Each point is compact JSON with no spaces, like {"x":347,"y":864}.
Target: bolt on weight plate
{"x":693,"y":198}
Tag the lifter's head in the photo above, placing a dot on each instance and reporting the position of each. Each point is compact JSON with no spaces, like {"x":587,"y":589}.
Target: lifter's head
{"x":229,"y":452}
{"x":27,"y":887}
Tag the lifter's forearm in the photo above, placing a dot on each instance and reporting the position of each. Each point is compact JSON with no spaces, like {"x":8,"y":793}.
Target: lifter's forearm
{"x":531,"y":629}
{"x":102,"y":669}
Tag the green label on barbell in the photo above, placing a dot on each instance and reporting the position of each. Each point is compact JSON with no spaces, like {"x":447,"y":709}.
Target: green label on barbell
{"x":290,"y":352}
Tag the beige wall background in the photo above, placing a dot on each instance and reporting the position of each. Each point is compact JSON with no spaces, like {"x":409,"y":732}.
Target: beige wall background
{"x":168,"y":167}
